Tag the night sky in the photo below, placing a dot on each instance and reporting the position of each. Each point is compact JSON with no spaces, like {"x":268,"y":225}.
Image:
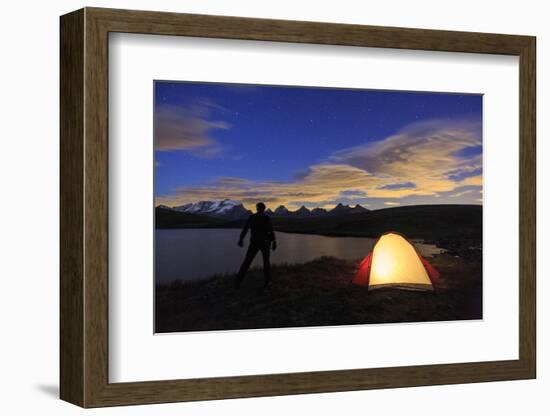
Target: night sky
{"x":315,"y":146}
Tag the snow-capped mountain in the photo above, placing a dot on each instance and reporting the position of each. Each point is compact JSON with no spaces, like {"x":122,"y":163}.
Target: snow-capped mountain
{"x":223,"y":208}
{"x":301,"y":212}
{"x":346,"y":209}
{"x":339,"y":209}
{"x":281,"y":211}
{"x":318,"y":212}
{"x":358,"y":209}
{"x":230,"y":209}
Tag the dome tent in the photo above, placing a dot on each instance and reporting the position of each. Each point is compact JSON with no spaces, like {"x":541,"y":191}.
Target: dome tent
{"x":395,"y":262}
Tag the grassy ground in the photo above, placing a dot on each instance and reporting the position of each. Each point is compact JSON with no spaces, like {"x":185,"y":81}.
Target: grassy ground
{"x":315,"y":294}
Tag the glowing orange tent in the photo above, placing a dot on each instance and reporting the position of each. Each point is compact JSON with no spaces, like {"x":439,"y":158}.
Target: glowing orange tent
{"x":394,"y":261}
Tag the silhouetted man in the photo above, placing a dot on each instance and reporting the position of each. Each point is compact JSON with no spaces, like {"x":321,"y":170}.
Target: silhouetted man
{"x":262,"y":238}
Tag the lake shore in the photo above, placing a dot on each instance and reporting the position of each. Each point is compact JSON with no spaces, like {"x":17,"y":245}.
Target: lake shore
{"x":198,"y":254}
{"x":316,"y":293}
{"x":456,"y":228}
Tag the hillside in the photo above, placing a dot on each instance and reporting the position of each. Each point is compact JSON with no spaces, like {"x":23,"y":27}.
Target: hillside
{"x":314,"y":294}
{"x":420,"y":221}
{"x":417,"y":221}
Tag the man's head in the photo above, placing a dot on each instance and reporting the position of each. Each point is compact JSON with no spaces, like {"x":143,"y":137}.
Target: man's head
{"x":260,"y":207}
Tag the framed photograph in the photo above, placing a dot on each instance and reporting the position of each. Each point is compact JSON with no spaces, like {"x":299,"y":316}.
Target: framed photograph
{"x":257,"y":207}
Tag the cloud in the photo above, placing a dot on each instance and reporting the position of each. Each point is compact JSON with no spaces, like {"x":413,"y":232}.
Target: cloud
{"x":464,"y":173}
{"x":392,"y":203}
{"x":419,"y":163}
{"x":323,"y":183}
{"x":187,"y":129}
{"x":473,"y":180}
{"x":352,"y":193}
{"x":429,"y":152}
{"x":459,"y":194}
{"x":404,"y":185}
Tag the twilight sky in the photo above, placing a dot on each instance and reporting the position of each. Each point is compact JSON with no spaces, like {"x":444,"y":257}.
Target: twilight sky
{"x":316,"y":147}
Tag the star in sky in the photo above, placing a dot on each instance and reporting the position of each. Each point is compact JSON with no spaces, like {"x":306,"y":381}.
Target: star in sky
{"x":309,"y":146}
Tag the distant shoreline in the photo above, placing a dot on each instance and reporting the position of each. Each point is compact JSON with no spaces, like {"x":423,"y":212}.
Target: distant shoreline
{"x":277,"y":231}
{"x":457,"y":228}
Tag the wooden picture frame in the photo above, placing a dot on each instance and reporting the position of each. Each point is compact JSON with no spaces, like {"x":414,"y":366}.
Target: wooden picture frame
{"x":84,"y":207}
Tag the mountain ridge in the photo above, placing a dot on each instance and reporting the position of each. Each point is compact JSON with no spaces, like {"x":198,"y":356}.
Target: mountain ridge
{"x":231,"y":209}
{"x":457,"y":227}
{"x":226,"y":208}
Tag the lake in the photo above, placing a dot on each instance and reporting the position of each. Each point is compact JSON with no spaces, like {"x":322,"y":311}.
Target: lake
{"x":195,"y":254}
